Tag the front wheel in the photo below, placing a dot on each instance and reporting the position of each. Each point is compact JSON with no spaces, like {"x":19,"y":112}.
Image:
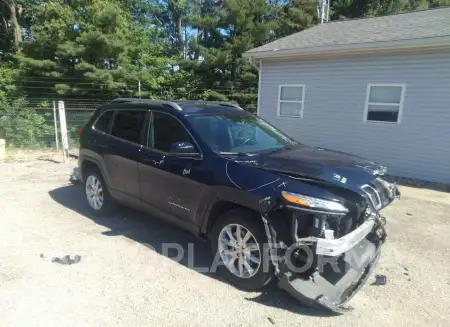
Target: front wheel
{"x":239,"y":239}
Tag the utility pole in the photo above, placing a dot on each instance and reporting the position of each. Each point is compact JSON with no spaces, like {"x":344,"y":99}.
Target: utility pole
{"x":139,"y":89}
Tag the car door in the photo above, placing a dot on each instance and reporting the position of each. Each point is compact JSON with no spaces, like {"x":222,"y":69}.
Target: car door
{"x":122,"y":157}
{"x":170,"y":182}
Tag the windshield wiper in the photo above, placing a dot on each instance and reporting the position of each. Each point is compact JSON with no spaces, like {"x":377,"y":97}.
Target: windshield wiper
{"x":281,"y":149}
{"x":241,"y":154}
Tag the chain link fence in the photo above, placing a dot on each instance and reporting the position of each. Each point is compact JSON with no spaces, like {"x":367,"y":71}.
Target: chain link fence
{"x":30,"y":123}
{"x":30,"y":126}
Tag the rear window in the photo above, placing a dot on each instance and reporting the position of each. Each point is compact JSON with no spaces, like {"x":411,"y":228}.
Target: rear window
{"x":103,"y":121}
{"x":128,"y":125}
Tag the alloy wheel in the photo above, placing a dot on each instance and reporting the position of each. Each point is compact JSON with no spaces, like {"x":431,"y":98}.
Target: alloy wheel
{"x":239,"y":250}
{"x":94,"y":192}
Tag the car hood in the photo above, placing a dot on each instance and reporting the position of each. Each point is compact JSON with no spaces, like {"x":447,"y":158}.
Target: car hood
{"x":339,"y":168}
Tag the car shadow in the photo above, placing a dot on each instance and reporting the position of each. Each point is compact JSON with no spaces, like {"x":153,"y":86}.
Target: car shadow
{"x":157,"y":234}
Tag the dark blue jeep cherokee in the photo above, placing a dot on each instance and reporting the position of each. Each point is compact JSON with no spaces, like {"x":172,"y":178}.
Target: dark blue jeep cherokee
{"x":271,"y":207}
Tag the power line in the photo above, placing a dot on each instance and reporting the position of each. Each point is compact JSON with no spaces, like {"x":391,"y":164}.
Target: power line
{"x":57,"y":80}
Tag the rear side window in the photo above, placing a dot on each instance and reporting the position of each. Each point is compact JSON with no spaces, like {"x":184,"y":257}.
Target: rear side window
{"x":128,"y":125}
{"x":102,"y":123}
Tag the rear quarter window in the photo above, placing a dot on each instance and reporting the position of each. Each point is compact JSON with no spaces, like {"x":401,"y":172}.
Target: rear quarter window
{"x":103,"y":122}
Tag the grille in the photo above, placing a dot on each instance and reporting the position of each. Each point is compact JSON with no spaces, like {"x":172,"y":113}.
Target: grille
{"x":373,"y":195}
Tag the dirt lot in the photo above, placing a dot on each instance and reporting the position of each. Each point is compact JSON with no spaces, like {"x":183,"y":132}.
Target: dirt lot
{"x":123,"y":279}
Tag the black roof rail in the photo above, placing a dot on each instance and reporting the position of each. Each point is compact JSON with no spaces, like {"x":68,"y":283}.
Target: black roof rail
{"x":227,"y":104}
{"x":137,"y":100}
{"x":174,"y":104}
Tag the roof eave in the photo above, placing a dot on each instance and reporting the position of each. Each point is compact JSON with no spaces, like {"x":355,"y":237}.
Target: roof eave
{"x":358,"y":48}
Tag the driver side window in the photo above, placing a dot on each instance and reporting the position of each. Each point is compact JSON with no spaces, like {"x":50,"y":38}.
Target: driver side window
{"x":166,"y":130}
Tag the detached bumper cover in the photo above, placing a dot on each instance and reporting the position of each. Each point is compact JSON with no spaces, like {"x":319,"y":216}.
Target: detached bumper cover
{"x":338,"y":276}
{"x":338,"y":246}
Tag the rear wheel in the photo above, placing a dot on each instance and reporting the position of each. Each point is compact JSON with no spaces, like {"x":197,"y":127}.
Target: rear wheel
{"x":238,"y":239}
{"x":97,"y":195}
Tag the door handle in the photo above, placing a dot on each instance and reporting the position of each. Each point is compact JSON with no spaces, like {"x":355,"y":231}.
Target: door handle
{"x":148,"y":160}
{"x":152,"y":161}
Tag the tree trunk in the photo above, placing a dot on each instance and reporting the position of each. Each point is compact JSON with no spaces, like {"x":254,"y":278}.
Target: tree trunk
{"x":13,"y":18}
{"x":199,"y":40}
{"x":180,"y":32}
{"x":6,"y":24}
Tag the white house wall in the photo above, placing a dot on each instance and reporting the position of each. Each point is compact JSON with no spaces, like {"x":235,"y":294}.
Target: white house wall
{"x":335,"y":98}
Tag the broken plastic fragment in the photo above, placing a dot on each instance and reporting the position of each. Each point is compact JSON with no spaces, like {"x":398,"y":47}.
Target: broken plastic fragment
{"x":67,"y":260}
{"x":329,"y":234}
{"x":380,"y":280}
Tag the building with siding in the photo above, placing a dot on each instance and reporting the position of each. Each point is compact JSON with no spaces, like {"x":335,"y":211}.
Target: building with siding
{"x":376,"y":87}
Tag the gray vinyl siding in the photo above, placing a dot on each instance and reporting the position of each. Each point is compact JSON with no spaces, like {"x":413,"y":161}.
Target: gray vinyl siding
{"x":335,"y":98}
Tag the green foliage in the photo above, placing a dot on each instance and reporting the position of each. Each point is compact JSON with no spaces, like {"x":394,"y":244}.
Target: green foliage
{"x":21,"y":126}
{"x":210,"y":95}
{"x":8,"y":75}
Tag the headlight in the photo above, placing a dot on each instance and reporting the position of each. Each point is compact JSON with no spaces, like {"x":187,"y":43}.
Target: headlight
{"x":310,"y":202}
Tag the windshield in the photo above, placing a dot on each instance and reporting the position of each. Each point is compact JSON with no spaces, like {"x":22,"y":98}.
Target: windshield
{"x":239,"y":133}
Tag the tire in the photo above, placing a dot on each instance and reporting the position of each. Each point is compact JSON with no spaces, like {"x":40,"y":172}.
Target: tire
{"x":263,"y":272}
{"x":106,"y":205}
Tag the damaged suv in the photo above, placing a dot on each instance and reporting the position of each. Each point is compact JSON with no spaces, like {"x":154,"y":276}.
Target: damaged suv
{"x":271,"y":208}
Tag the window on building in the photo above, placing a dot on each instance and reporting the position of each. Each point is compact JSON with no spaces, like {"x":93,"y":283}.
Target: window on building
{"x":384,"y":103}
{"x":128,"y":125}
{"x":103,"y":121}
{"x":291,"y":99}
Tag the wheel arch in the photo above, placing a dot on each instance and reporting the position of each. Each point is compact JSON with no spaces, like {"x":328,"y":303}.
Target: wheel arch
{"x":219,"y":207}
{"x":87,"y":163}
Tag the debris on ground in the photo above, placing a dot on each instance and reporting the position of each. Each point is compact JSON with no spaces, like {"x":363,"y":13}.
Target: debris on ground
{"x":75,"y":177}
{"x":67,"y":260}
{"x":380,"y":280}
{"x":271,"y":320}
{"x":345,"y":308}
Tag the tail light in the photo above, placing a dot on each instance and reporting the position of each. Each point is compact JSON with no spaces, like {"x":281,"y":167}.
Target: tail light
{"x":80,"y":130}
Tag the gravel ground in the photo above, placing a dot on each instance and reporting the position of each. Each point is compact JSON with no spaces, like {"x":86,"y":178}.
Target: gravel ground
{"x":123,"y":279}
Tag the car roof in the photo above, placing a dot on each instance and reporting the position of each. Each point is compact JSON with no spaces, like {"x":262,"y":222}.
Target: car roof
{"x":186,"y":107}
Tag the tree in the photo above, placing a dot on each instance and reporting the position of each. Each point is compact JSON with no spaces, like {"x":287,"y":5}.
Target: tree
{"x":294,"y":16}
{"x":12,"y":12}
{"x":225,"y":31}
{"x":97,"y":45}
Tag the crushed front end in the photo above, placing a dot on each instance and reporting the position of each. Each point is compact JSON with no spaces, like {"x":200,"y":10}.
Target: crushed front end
{"x":323,"y":256}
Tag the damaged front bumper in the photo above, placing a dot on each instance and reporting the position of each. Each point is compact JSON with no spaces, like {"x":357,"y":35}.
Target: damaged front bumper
{"x":341,"y":266}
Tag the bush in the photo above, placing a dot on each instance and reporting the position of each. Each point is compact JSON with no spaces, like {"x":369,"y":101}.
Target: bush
{"x":23,"y":127}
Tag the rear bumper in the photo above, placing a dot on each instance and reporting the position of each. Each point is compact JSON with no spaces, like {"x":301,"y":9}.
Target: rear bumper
{"x":336,"y":279}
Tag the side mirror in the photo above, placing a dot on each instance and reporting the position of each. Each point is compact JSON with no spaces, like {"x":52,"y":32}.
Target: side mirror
{"x":184,"y":149}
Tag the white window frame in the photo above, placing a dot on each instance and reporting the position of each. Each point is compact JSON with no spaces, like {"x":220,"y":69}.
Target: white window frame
{"x":400,"y":109}
{"x":291,"y":101}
